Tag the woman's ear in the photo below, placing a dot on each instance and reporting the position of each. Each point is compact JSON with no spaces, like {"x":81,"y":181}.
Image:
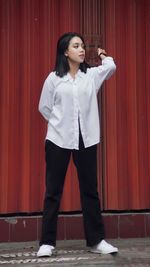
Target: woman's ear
{"x":66,"y":53}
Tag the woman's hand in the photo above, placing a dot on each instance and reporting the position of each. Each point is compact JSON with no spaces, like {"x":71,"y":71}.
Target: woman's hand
{"x":101,"y":53}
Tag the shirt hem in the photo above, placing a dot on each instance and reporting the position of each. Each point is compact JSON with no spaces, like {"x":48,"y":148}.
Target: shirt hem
{"x":71,"y":147}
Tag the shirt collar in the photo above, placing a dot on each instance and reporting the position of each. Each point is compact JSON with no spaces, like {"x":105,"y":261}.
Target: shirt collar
{"x":80,"y":73}
{"x":68,"y":76}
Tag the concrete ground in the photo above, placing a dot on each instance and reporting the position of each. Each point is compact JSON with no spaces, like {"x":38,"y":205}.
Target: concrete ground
{"x":132,"y":252}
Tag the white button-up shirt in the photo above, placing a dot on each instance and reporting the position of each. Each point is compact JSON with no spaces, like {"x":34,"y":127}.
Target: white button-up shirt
{"x":66,"y":101}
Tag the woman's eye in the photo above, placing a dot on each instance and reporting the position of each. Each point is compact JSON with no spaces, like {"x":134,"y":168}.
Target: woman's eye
{"x":77,"y":46}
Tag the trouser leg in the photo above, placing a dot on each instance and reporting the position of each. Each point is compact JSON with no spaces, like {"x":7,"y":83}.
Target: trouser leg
{"x":85,"y":160}
{"x":57,"y":160}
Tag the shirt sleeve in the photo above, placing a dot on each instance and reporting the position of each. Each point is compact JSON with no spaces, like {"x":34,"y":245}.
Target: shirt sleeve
{"x":103,"y":72}
{"x":46,"y":99}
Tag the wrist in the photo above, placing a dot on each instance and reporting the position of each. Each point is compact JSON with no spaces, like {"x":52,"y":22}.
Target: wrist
{"x":102,"y":55}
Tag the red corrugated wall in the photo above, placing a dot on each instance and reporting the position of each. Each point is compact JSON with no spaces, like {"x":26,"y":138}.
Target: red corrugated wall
{"x":29,"y":30}
{"x":127,"y":106}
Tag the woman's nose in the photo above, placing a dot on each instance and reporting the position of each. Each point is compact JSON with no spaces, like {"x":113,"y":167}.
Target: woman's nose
{"x":82,"y":49}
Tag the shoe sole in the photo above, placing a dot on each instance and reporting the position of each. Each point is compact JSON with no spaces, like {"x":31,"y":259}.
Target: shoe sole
{"x":104,"y":253}
{"x":44,"y":255}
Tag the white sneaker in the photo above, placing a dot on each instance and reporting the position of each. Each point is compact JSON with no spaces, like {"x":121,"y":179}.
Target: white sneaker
{"x":45,"y":251}
{"x":104,"y":248}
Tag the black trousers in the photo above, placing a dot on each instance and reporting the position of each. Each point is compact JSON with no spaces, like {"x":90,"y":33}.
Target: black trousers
{"x":85,"y":160}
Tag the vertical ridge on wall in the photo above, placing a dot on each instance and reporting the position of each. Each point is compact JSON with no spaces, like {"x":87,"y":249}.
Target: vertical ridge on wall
{"x":3,"y":103}
{"x":147,"y":29}
{"x":109,"y":115}
{"x":143,"y":85}
{"x":126,"y":106}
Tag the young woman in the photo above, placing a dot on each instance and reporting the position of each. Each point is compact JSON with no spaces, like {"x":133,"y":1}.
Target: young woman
{"x":69,"y":104}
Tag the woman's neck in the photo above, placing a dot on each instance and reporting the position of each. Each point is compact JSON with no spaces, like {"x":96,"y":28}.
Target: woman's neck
{"x":73,"y":69}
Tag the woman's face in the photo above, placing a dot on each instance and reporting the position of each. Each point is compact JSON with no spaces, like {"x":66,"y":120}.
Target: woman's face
{"x":76,"y":51}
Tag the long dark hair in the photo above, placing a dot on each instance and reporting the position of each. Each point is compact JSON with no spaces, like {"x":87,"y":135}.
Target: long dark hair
{"x":62,"y":65}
